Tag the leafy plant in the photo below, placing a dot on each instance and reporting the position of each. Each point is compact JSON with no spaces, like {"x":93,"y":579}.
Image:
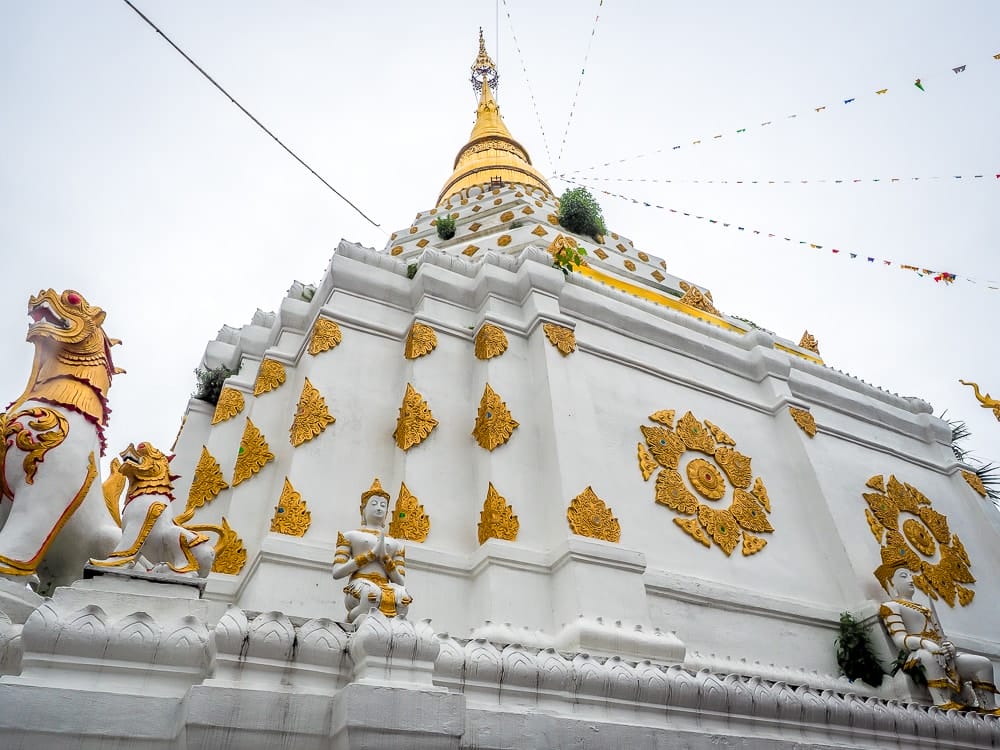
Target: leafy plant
{"x":568,"y":258}
{"x":917,"y":672}
{"x":580,"y":213}
{"x":209,"y":383}
{"x":445,"y":226}
{"x":854,"y":652}
{"x":988,"y":472}
{"x":411,"y":270}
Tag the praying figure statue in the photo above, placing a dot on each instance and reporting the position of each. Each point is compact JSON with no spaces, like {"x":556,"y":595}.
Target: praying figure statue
{"x":955,"y":679}
{"x":374,"y":563}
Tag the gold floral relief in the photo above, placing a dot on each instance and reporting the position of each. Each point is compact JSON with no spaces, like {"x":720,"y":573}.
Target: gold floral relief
{"x":326,"y":335}
{"x":912,"y":534}
{"x":561,"y":337}
{"x":270,"y":375}
{"x":291,"y":516}
{"x":254,"y":453}
{"x":974,"y":482}
{"x":229,"y":405}
{"x":206,"y":484}
{"x":697,"y":299}
{"x":409,"y":521}
{"x":804,"y":420}
{"x":415,"y":420}
{"x":629,"y":265}
{"x":230,"y":554}
{"x":588,"y":515}
{"x":504,"y":240}
{"x":421,"y":340}
{"x":506,"y":216}
{"x":808,"y":341}
{"x":686,"y":477}
{"x":311,"y":416}
{"x":497,"y":519}
{"x":491,"y":341}
{"x":494,"y":423}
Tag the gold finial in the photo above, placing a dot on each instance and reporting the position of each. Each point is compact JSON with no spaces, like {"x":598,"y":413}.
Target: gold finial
{"x":483,"y":69}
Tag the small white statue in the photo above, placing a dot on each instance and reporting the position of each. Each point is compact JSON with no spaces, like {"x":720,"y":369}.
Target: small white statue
{"x":955,"y":679}
{"x":375,"y":562}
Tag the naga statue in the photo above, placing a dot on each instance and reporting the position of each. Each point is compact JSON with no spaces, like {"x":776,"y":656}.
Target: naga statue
{"x":986,"y":401}
{"x":53,"y":517}
{"x":152,"y":538}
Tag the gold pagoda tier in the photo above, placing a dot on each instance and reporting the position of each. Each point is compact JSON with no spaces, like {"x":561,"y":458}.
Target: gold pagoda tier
{"x":492,"y":154}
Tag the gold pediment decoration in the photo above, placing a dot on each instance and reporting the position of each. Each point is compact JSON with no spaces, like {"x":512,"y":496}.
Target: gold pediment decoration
{"x":911,"y":534}
{"x":325,"y":336}
{"x":206,"y":484}
{"x":491,"y":342}
{"x":975,"y":482}
{"x":804,"y":419}
{"x":808,"y":341}
{"x":311,"y":415}
{"x":697,"y":299}
{"x":230,"y":554}
{"x":254,"y":453}
{"x":415,"y":420}
{"x":291,"y":515}
{"x":703,"y":478}
{"x":421,"y":340}
{"x":270,"y":375}
{"x":409,"y":521}
{"x":588,"y":515}
{"x":561,"y":337}
{"x":230,"y":404}
{"x":494,"y":423}
{"x":497,"y":519}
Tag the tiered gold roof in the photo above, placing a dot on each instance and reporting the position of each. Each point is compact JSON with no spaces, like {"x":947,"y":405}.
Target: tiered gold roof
{"x":491,"y":154}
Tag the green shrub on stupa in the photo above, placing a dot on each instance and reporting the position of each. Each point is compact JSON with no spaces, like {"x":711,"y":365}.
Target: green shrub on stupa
{"x":580,"y":213}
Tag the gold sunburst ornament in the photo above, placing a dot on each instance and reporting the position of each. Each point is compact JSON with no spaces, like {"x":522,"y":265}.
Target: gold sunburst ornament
{"x":230,"y":404}
{"x":491,"y":342}
{"x":270,"y":376}
{"x":420,"y":341}
{"x":254,"y":453}
{"x":325,"y":336}
{"x":415,"y":420}
{"x":719,"y":472}
{"x":311,"y":416}
{"x":291,"y":515}
{"x":494,"y":423}
{"x":912,"y":534}
{"x":588,"y":515}
{"x":409,"y":521}
{"x":497,"y":519}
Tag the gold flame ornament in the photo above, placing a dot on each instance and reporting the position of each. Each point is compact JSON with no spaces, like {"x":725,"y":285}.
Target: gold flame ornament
{"x":497,"y":519}
{"x":229,"y":405}
{"x":254,"y":453}
{"x":231,"y":555}
{"x":207,"y":483}
{"x":291,"y":515}
{"x":588,"y":515}
{"x":420,"y":341}
{"x":491,"y":342}
{"x":311,"y":416}
{"x":698,"y":487}
{"x":409,"y":521}
{"x":561,"y":337}
{"x":804,"y":420}
{"x":325,"y":336}
{"x":415,"y":420}
{"x":808,"y":341}
{"x":270,"y":375}
{"x":494,"y":423}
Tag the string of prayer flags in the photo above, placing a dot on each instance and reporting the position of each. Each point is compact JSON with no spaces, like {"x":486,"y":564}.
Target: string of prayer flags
{"x":576,"y":94}
{"x":815,"y":181}
{"x":938,"y":276}
{"x":918,"y":83}
{"x":531,"y":93}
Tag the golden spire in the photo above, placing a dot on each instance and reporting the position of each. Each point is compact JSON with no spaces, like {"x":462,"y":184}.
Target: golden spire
{"x":492,"y":154}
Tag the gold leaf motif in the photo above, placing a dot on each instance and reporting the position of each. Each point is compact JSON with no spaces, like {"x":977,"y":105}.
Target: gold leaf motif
{"x":528,"y":210}
{"x":552,"y":219}
{"x":719,"y":434}
{"x":694,"y":435}
{"x":561,"y":338}
{"x":420,"y":340}
{"x":588,"y":515}
{"x":254,"y":453}
{"x":621,"y":248}
{"x":206,"y":484}
{"x":230,"y":554}
{"x":643,"y":257}
{"x":900,"y":496}
{"x":808,"y":341}
{"x":721,"y":527}
{"x":539,"y":231}
{"x":415,"y":420}
{"x":311,"y":416}
{"x":396,"y":250}
{"x":600,"y":254}
{"x":885,"y":511}
{"x":693,"y":528}
{"x":497,"y":519}
{"x":291,"y":516}
{"x":229,"y":405}
{"x":697,"y":299}
{"x":706,"y":479}
{"x":671,"y":491}
{"x":657,"y":275}
{"x":936,"y":522}
{"x":422,"y":243}
{"x":665,"y":446}
{"x":964,"y":596}
{"x":494,"y":423}
{"x":748,"y":513}
{"x":878,"y":531}
{"x":736,"y":466}
{"x":470,"y":250}
{"x":325,"y":335}
{"x":759,"y":493}
{"x":876,"y":483}
{"x":664,"y":417}
{"x":270,"y":375}
{"x":646,"y":463}
{"x":506,"y":216}
{"x":804,"y":420}
{"x":629,"y":265}
{"x":491,"y":342}
{"x":475,"y":226}
{"x":974,"y":482}
{"x":409,"y":521}
{"x":752,"y":544}
{"x":503,"y":240}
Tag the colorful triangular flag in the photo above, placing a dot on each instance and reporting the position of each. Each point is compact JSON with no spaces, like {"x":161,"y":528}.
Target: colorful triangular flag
{"x":918,"y":84}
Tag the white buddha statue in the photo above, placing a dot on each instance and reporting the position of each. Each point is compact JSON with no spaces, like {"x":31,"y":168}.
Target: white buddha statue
{"x":955,"y":679}
{"x":374,"y":562}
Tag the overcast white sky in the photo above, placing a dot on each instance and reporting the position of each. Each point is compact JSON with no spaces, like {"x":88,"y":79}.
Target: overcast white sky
{"x":126,"y":176}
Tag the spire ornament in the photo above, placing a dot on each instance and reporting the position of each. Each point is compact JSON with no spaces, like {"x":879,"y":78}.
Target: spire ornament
{"x":483,"y":69}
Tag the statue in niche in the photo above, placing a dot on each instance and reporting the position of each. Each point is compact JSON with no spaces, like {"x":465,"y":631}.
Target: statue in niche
{"x":955,"y":679}
{"x":373,"y":562}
